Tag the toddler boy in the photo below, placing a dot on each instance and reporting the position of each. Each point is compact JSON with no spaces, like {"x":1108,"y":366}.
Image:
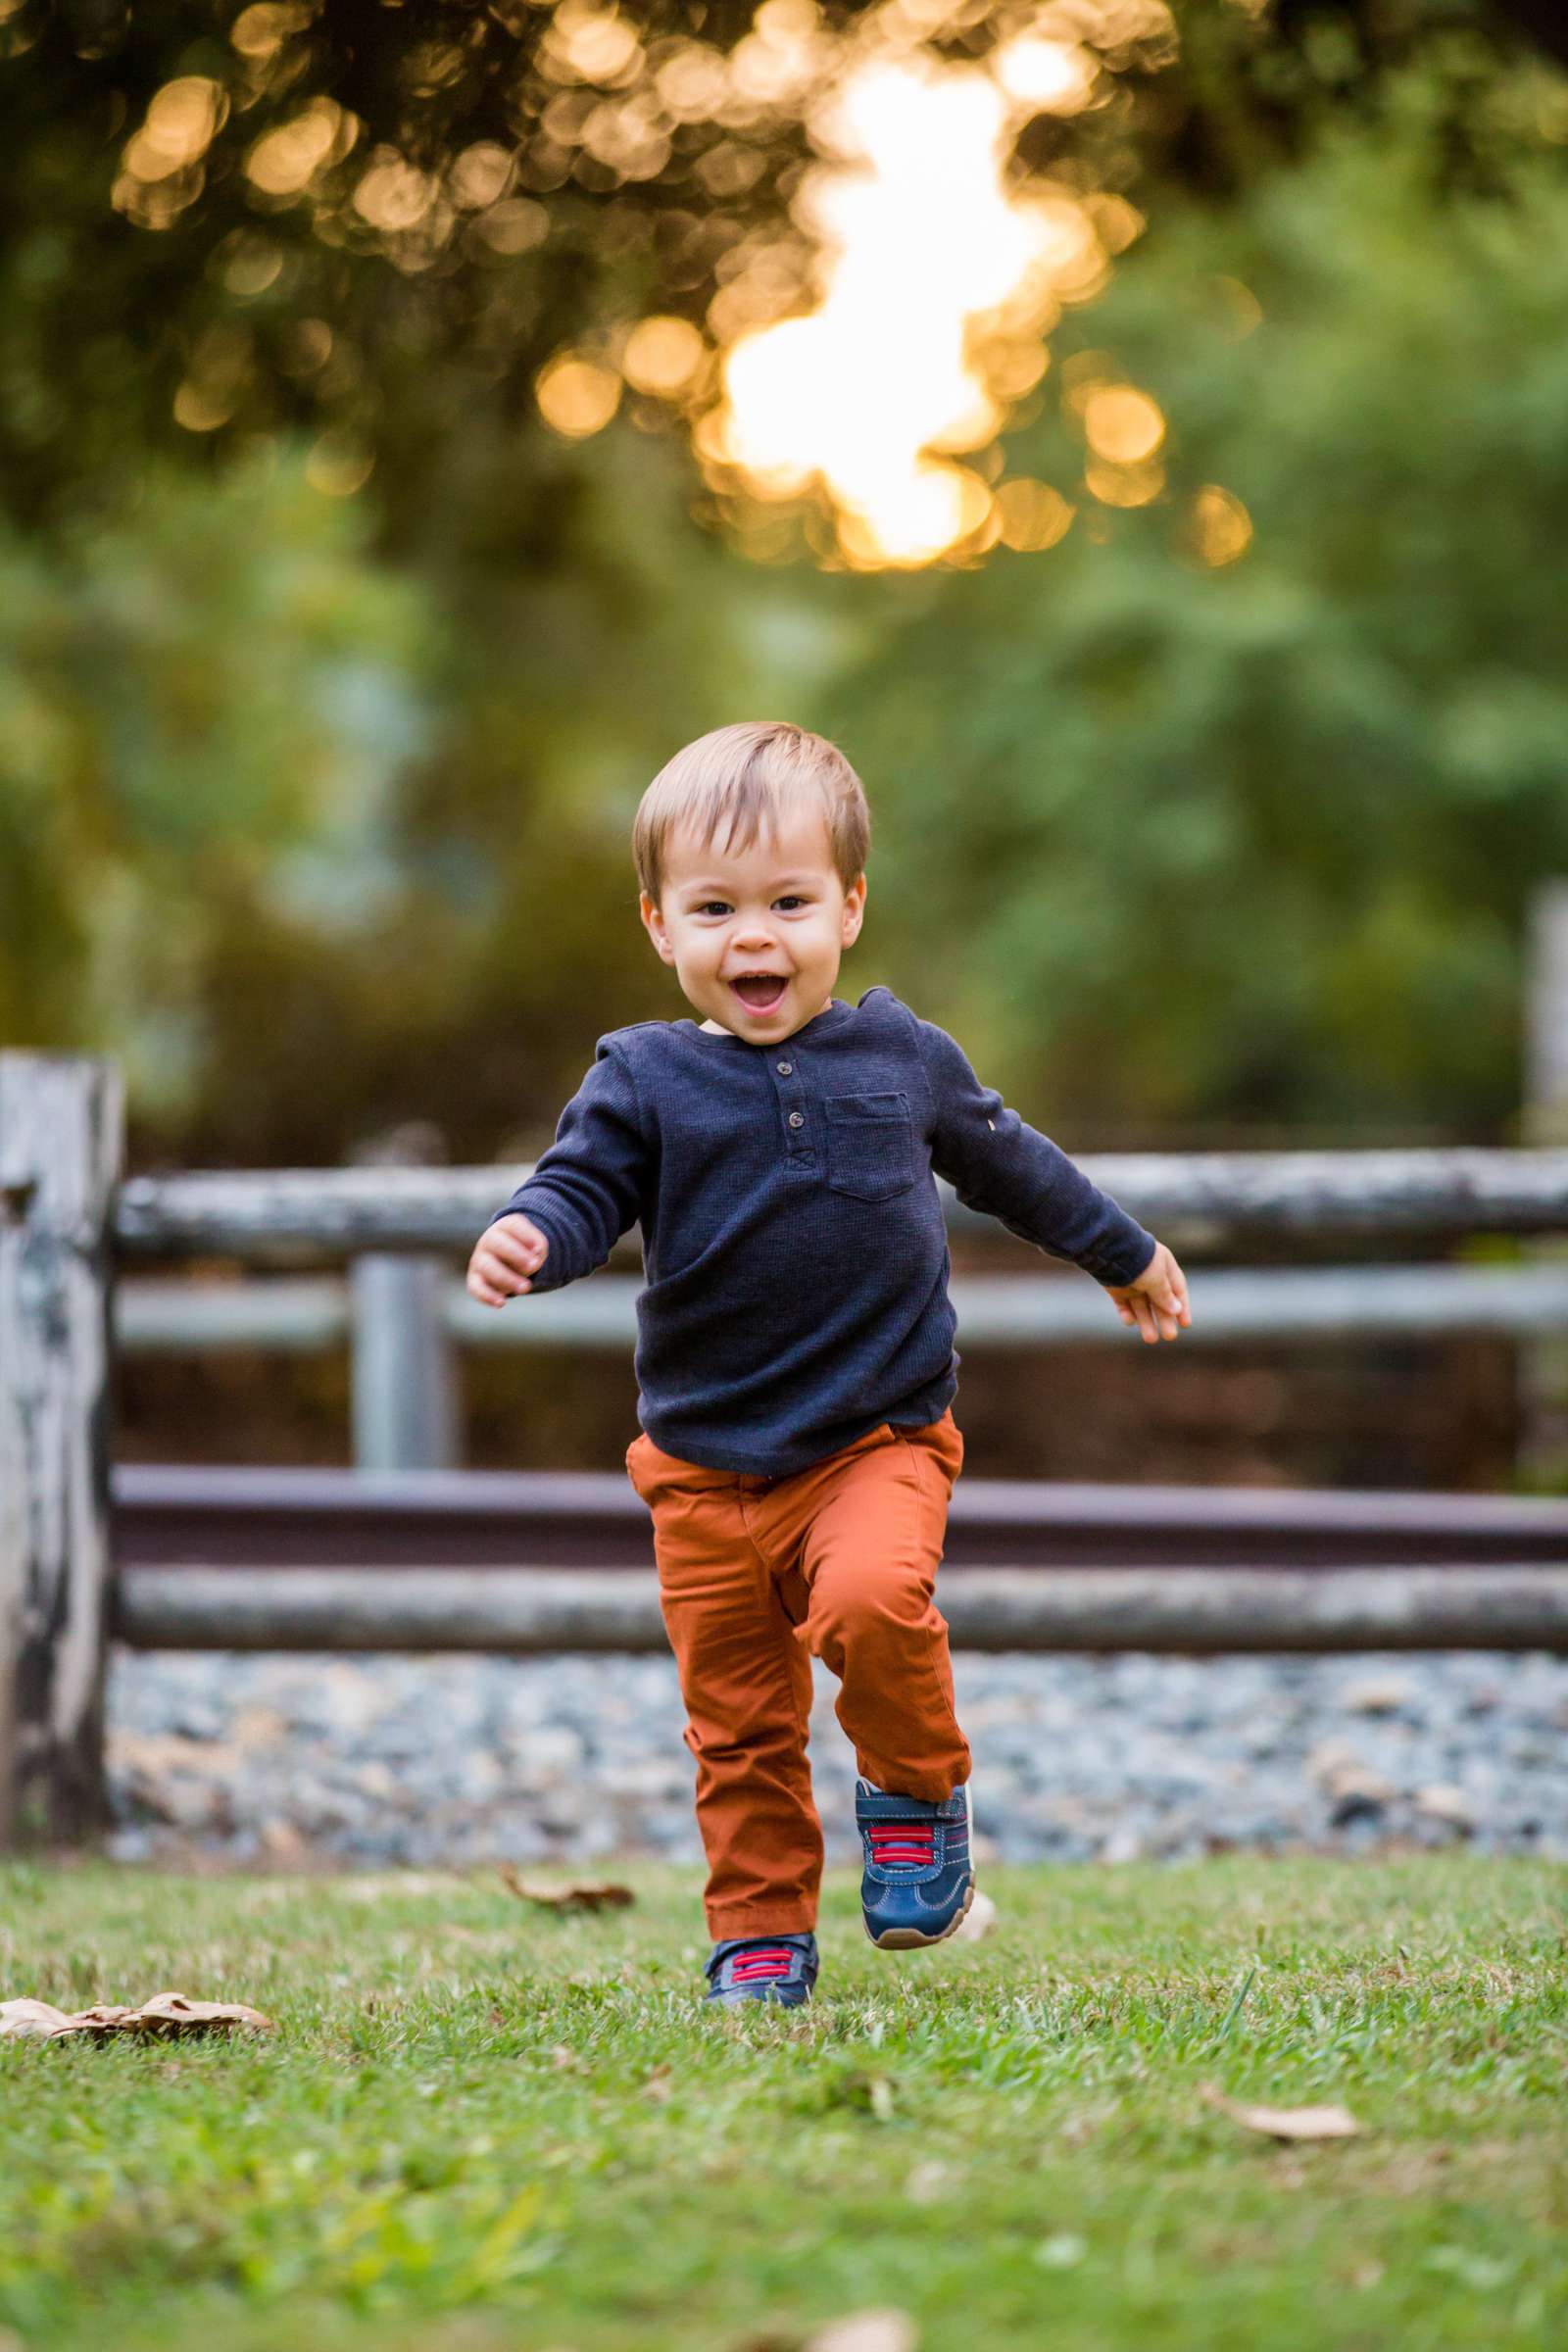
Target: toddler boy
{"x":795,"y":1355}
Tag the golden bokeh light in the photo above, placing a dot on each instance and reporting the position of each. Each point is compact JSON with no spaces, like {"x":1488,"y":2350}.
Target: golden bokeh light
{"x":516,"y":224}
{"x":259,"y":32}
{"x":161,"y":168}
{"x":576,"y":396}
{"x":1054,"y":76}
{"x":392,"y":194}
{"x":304,"y":346}
{"x":691,"y":83}
{"x":480,"y":175}
{"x":338,"y":465}
{"x":1013,"y":369}
{"x":158,"y":203}
{"x":626,"y":136}
{"x":219,"y":366}
{"x":663,"y":356}
{"x":181,"y":119}
{"x":1219,"y":527}
{"x":589,"y":44}
{"x":1123,"y":485}
{"x":252,"y":265}
{"x":202,"y":408}
{"x":1032,"y":515}
{"x":1121,"y":425}
{"x":780,"y":58}
{"x":283,"y":160}
{"x":1116,"y":220}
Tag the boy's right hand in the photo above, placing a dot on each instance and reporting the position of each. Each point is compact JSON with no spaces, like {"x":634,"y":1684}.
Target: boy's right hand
{"x":505,"y":1256}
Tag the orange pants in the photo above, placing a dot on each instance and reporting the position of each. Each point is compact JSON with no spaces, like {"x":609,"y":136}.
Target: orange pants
{"x":756,"y":1576}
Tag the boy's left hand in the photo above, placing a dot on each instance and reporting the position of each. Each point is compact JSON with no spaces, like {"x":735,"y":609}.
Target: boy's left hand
{"x":1157,"y":1301}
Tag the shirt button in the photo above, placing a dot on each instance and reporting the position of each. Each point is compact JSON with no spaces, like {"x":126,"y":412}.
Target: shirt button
{"x":784,"y":1068}
{"x":797,"y":1118}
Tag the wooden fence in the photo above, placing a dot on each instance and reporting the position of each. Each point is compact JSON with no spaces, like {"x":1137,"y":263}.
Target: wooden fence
{"x":69,"y":1228}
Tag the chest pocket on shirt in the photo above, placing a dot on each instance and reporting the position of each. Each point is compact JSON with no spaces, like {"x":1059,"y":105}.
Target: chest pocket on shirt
{"x":870,"y":1144}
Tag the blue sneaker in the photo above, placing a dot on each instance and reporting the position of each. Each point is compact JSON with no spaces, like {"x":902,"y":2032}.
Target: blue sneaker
{"x":918,"y":1882}
{"x":763,"y":1967}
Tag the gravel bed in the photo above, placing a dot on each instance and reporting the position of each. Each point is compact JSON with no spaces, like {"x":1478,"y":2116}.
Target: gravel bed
{"x":343,"y":1761}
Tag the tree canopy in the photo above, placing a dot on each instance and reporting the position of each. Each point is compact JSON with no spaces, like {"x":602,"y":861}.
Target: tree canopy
{"x":334,"y":667}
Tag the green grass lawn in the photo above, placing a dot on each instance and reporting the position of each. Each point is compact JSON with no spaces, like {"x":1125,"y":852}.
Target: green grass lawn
{"x":483,"y":2126}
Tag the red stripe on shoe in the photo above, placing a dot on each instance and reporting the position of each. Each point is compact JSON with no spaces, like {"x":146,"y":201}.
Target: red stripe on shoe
{"x":900,"y":1842}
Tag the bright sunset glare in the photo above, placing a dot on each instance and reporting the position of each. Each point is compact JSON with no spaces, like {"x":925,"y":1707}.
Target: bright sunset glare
{"x":926,"y":257}
{"x":877,"y":376}
{"x":927,"y":272}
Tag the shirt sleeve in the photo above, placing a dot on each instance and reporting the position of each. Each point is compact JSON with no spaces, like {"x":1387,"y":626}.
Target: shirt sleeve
{"x":586,"y":1188}
{"x":998,"y":1164}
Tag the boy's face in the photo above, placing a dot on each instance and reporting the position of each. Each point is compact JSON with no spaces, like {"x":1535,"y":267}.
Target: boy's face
{"x":777,"y":908}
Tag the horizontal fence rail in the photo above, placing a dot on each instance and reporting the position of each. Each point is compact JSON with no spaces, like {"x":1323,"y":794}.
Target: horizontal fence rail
{"x":1206,"y":1197}
{"x":239,"y":1519}
{"x":285,"y":1312}
{"x":1198,"y":1612}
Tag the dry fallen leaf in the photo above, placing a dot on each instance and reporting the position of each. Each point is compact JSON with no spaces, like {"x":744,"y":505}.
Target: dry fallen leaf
{"x":165,"y":2014}
{"x":581,"y":1894}
{"x":173,"y":2013}
{"x":19,"y":2019}
{"x":1284,"y":2122}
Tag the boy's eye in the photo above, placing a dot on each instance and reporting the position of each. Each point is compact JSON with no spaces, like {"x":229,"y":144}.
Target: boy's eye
{"x":721,"y":906}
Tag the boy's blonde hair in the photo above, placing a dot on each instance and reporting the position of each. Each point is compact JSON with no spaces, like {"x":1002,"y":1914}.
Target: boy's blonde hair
{"x":741,"y":775}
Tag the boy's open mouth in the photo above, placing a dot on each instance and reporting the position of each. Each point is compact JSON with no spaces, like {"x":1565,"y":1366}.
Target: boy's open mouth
{"x":760,"y":992}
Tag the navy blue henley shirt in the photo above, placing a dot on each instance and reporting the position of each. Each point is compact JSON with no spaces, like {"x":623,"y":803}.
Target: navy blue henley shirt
{"x":794,"y":1243}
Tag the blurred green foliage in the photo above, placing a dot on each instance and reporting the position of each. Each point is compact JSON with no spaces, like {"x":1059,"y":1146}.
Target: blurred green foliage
{"x":313,"y":843}
{"x":207,"y":702}
{"x":1254,"y":844}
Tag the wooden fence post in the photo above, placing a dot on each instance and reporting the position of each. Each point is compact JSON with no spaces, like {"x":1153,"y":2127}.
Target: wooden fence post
{"x":61,"y":1123}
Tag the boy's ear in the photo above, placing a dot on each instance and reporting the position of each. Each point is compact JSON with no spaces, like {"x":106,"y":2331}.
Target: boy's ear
{"x":653,"y":925}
